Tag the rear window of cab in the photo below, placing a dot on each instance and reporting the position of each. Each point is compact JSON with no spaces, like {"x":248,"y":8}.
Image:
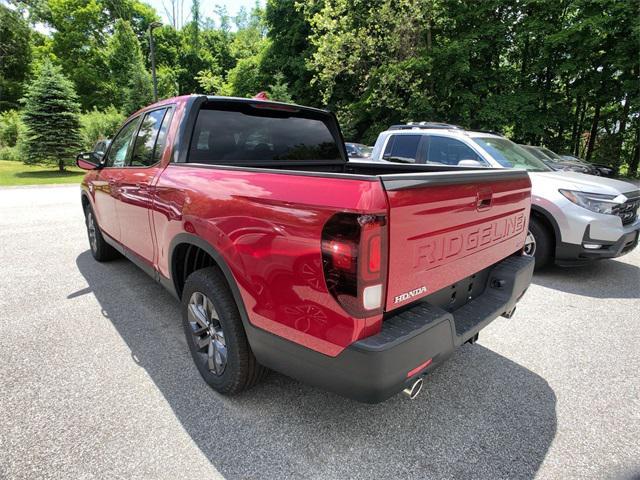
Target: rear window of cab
{"x":245,"y":133}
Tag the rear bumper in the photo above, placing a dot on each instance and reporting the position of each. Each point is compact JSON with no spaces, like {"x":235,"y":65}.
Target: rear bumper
{"x":376,"y":368}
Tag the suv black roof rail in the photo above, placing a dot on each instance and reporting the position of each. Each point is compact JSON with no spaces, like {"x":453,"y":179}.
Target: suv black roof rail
{"x":492,"y":132}
{"x":433,"y":125}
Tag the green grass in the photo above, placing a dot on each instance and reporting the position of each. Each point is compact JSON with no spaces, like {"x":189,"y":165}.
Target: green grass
{"x":17,"y":173}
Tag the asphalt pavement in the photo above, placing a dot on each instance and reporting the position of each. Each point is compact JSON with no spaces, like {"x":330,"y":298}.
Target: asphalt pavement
{"x":96,"y":381}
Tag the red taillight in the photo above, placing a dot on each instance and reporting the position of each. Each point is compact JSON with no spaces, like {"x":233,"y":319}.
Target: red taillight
{"x":354,"y":261}
{"x":375,"y":254}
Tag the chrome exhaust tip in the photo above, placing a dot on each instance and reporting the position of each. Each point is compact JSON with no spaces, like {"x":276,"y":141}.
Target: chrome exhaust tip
{"x":414,"y":390}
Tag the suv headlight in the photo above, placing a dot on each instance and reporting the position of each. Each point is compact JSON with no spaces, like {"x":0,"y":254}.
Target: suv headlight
{"x":596,"y":202}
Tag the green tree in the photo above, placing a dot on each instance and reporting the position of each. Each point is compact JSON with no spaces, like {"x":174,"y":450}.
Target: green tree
{"x":79,"y":33}
{"x":139,"y":92}
{"x":167,"y":82}
{"x":289,"y":50}
{"x":11,"y":128}
{"x":51,"y":118}
{"x":15,"y":56}
{"x":246,"y":78}
{"x":279,"y":89}
{"x":212,"y":83}
{"x":98,"y":125}
{"x":127,"y":68}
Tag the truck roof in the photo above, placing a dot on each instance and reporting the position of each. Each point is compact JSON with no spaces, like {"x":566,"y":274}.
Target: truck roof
{"x":184,"y":98}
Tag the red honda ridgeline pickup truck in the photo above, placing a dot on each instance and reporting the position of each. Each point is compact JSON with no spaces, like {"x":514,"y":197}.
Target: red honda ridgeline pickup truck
{"x":358,"y":278}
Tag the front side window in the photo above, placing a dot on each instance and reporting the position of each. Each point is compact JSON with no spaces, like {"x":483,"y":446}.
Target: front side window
{"x":250,"y":134}
{"x":117,"y":155}
{"x":402,"y":148}
{"x":449,"y":151}
{"x":145,"y":146}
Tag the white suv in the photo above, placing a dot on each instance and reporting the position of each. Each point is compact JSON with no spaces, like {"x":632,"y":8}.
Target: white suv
{"x":575,"y":217}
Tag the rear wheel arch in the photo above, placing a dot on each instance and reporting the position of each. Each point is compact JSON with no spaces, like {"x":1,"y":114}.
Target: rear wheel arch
{"x":189,"y":253}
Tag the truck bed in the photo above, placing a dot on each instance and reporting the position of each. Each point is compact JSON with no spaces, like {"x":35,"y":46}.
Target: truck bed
{"x":440,"y":230}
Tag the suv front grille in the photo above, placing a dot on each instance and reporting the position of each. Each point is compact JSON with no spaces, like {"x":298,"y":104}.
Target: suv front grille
{"x":628,"y":211}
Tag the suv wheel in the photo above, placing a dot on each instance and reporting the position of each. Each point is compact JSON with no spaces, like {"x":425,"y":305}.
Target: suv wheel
{"x":542,"y":242}
{"x":215,"y":334}
{"x":530,"y":245}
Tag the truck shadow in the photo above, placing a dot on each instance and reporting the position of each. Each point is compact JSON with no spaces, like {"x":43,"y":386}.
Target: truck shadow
{"x":480,"y":415}
{"x":600,"y":279}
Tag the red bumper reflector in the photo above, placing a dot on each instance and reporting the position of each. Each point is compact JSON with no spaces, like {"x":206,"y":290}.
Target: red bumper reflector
{"x":422,"y":366}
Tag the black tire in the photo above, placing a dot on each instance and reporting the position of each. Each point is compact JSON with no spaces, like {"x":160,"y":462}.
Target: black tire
{"x":544,"y":242}
{"x":100,"y":249}
{"x":241,"y":371}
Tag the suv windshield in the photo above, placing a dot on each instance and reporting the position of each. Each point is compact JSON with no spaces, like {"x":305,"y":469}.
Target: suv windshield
{"x":510,"y":155}
{"x":550,"y":154}
{"x":536,"y":152}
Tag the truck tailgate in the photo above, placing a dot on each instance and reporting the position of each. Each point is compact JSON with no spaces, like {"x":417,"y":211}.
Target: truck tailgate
{"x":444,"y":227}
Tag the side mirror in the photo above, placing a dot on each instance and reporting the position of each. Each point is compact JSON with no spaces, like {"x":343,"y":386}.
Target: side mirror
{"x":89,"y":161}
{"x":470,"y":163}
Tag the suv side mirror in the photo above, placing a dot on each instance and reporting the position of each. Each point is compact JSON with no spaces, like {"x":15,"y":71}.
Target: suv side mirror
{"x":89,"y":161}
{"x":470,"y":163}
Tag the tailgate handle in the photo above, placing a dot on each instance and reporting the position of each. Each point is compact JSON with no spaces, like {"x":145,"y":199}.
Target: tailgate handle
{"x":484,"y":200}
{"x":484,"y":203}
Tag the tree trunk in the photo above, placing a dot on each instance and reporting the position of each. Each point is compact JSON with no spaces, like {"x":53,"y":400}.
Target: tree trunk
{"x":576,"y":124}
{"x":593,"y":133}
{"x":635,"y":159}
{"x":621,"y":132}
{"x":524,"y":66}
{"x":429,"y":49}
{"x":61,"y":165}
{"x":580,"y":128}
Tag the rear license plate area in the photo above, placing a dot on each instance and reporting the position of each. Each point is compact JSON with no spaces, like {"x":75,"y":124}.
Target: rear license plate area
{"x":460,"y":293}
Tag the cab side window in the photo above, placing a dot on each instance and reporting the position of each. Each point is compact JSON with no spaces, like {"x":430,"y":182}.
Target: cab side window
{"x":158,"y":150}
{"x":402,"y":148}
{"x":146,"y":150}
{"x":449,"y":151}
{"x":117,"y":155}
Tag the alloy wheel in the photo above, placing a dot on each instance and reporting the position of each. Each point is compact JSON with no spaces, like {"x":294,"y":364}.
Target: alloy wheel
{"x":207,"y":332}
{"x":91,"y":230}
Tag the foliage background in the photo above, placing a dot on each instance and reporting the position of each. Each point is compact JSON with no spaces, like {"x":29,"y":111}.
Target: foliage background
{"x":562,"y":73}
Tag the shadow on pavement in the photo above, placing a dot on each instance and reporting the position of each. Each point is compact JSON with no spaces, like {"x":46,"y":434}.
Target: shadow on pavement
{"x":600,"y":279}
{"x":480,"y":414}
